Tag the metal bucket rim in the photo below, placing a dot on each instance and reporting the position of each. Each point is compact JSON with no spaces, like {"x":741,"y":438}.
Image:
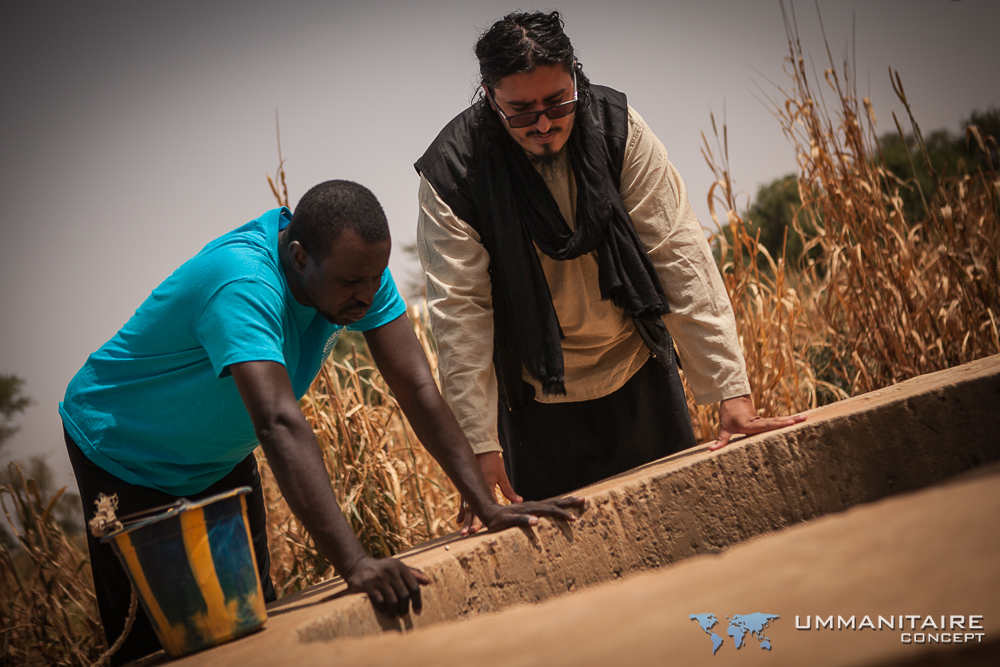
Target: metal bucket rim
{"x":143,"y":517}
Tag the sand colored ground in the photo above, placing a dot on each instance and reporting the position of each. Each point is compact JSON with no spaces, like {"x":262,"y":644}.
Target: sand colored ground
{"x":935,"y":551}
{"x":930,"y":552}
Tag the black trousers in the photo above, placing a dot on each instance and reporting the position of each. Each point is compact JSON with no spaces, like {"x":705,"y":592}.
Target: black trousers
{"x":554,"y":448}
{"x":111,"y":583}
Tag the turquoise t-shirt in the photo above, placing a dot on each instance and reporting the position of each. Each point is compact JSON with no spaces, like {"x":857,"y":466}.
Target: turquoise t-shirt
{"x":156,"y":406}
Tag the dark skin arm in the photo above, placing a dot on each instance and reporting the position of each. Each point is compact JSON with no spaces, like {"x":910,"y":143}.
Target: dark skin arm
{"x":402,"y":363}
{"x":295,"y":459}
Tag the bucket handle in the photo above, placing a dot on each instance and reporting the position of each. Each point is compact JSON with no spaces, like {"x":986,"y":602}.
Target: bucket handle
{"x":177,"y":504}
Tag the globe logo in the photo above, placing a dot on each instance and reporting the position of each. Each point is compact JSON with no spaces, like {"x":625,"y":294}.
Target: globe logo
{"x":740,"y":625}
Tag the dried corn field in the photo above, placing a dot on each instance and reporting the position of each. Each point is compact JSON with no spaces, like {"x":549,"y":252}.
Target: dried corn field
{"x":48,"y":611}
{"x":877,"y":296}
{"x":392,"y":492}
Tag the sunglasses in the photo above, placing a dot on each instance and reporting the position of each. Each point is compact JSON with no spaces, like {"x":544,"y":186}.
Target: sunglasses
{"x":529,"y":118}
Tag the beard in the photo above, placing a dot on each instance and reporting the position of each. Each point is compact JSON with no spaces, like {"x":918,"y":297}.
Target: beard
{"x":548,"y":154}
{"x":548,"y":157}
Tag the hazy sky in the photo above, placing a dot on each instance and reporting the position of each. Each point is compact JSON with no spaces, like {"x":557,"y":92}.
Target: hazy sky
{"x":136,"y":131}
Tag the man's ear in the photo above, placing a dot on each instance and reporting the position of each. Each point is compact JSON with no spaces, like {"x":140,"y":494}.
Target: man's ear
{"x":299,"y":255}
{"x":489,"y":96}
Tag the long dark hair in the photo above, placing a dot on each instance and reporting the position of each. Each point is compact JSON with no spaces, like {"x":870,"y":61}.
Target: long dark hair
{"x":520,"y":42}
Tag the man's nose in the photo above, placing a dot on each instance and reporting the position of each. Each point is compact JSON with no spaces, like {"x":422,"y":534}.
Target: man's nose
{"x":366,"y":294}
{"x":544,"y":124}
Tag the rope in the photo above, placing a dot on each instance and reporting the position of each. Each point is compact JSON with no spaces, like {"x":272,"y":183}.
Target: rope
{"x":133,"y":605}
{"x":104,"y":522}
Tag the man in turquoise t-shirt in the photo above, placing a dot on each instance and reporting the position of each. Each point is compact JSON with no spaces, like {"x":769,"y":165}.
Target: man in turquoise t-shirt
{"x":214,"y":362}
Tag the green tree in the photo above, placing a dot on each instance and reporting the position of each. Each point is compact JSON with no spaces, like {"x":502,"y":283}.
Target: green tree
{"x":947,"y":156}
{"x":771,"y":215}
{"x":12,"y":403}
{"x":916,"y":173}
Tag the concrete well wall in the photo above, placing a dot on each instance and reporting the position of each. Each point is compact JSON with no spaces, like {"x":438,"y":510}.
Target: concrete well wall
{"x":900,"y":438}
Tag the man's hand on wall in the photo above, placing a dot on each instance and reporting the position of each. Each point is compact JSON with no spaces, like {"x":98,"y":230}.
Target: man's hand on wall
{"x":491,"y":465}
{"x":519,"y":513}
{"x":737,"y":415}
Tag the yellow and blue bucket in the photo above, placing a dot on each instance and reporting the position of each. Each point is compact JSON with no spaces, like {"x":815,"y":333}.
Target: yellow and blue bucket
{"x":193,"y":566}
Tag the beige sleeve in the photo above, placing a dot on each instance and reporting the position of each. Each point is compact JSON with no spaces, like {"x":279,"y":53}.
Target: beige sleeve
{"x":460,"y":303}
{"x":701,"y":316}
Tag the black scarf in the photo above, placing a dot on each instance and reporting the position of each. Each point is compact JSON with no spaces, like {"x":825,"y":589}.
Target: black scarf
{"x":516,"y":210}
